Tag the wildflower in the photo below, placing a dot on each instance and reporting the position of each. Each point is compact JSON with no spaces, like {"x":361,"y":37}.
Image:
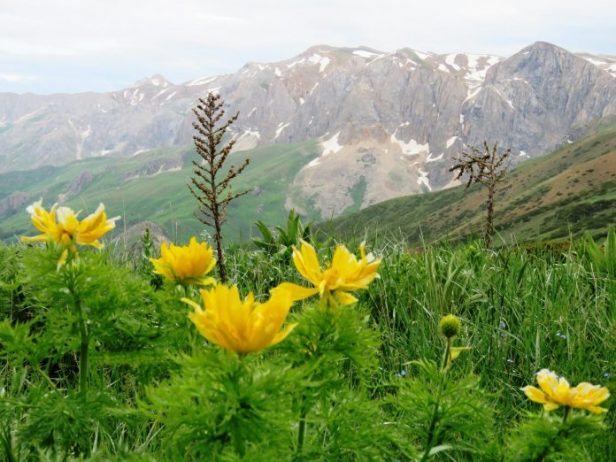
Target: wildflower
{"x":187,"y":264}
{"x":450,"y":325}
{"x":346,"y":273}
{"x":555,"y":391}
{"x":243,"y":326}
{"x":62,"y":226}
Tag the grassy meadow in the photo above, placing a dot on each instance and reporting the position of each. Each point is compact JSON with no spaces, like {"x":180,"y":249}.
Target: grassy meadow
{"x":367,"y":381}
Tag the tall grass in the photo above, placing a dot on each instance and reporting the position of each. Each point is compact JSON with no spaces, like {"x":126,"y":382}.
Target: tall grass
{"x":523,"y":309}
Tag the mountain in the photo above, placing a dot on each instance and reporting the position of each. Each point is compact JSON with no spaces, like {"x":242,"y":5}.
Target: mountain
{"x":385,"y":124}
{"x":566,"y":192}
{"x":151,"y":187}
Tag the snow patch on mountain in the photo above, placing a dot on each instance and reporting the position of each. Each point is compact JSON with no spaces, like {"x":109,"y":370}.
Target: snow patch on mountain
{"x":281,"y":127}
{"x":411,"y":147}
{"x":423,"y":179}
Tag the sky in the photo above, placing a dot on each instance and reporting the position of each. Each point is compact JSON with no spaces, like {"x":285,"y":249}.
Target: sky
{"x":67,"y":46}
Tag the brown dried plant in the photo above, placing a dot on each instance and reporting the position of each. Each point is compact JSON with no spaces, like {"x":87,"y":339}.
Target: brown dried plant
{"x":485,"y":165}
{"x":210,"y":184}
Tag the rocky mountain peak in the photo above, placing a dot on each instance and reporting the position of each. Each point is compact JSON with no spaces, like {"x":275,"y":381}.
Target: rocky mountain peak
{"x":155,"y":80}
{"x":395,"y":119}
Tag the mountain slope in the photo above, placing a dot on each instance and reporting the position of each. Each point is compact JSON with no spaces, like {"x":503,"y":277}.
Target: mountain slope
{"x":568,"y":191}
{"x":152,"y":187}
{"x":386,"y":124}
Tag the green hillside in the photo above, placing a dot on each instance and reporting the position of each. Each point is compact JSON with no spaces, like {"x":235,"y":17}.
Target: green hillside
{"x":566,"y":192}
{"x":152,"y":186}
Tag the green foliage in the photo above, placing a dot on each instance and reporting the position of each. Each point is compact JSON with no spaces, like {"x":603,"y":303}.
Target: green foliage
{"x":603,"y":256}
{"x":549,"y":439}
{"x":284,"y":239}
{"x":542,"y":199}
{"x":363,"y":379}
{"x":445,"y":415}
{"x":218,"y":403}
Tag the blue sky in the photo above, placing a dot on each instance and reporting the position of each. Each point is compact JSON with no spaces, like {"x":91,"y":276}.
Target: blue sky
{"x":49,"y":46}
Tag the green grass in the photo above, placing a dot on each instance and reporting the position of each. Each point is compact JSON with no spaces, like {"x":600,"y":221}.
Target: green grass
{"x":522,"y":309}
{"x":163,"y":198}
{"x":568,"y":191}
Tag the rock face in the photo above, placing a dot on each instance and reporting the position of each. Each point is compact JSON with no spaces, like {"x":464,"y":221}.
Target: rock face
{"x":388,"y":124}
{"x":13,"y":203}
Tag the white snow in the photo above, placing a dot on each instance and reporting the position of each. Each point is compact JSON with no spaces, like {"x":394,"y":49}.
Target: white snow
{"x":252,"y":111}
{"x":477,"y":72}
{"x":412,"y":147}
{"x":450,"y":141}
{"x":435,"y":159}
{"x":423,"y":179}
{"x":607,"y":64}
{"x":442,"y":67}
{"x":81,"y":135}
{"x":136,"y":97}
{"x":508,"y":101}
{"x":281,"y":127}
{"x":103,"y":152}
{"x":316,"y":58}
{"x":523,"y":154}
{"x":322,"y":61}
{"x":139,"y":151}
{"x":450,"y":60}
{"x":596,"y":62}
{"x":201,"y":81}
{"x":160,"y":93}
{"x":461,"y":119}
{"x":170,"y":95}
{"x":330,"y":146}
{"x":28,"y":116}
{"x":366,"y":53}
{"x":313,"y":88}
{"x":251,"y":133}
{"x":277,"y":72}
{"x":157,"y":82}
{"x":421,"y":54}
{"x":301,"y":100}
{"x":156,"y":173}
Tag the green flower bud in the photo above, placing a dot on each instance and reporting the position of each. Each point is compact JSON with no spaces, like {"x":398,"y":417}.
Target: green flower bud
{"x":450,"y":325}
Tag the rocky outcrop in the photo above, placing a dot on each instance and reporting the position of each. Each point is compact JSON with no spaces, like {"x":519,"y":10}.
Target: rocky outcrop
{"x":13,"y":203}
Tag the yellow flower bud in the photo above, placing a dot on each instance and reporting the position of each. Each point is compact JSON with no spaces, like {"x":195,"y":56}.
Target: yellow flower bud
{"x":450,"y":326}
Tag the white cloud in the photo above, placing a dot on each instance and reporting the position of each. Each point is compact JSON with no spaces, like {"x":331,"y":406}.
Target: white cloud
{"x":189,"y":38}
{"x":14,"y":77}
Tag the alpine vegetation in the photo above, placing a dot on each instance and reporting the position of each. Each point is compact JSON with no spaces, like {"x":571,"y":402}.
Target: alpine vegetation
{"x":325,"y":354}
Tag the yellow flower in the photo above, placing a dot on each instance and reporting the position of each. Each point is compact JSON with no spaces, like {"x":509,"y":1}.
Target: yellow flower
{"x":555,"y":391}
{"x":243,"y":326}
{"x":346,"y":273}
{"x":62,"y":226}
{"x":187,"y":264}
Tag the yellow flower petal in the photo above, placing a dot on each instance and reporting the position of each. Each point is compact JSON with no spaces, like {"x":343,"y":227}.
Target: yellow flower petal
{"x":534,"y":394}
{"x":62,"y":226}
{"x":243,"y":326}
{"x":296,"y":292}
{"x":345,"y":274}
{"x":186,"y":265}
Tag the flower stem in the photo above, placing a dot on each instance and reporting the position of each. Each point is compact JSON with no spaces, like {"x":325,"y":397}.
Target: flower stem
{"x":83,"y":353}
{"x":567,"y":409}
{"x":437,"y":403}
{"x":236,"y":438}
{"x":302,"y":425}
{"x":83,"y":331}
